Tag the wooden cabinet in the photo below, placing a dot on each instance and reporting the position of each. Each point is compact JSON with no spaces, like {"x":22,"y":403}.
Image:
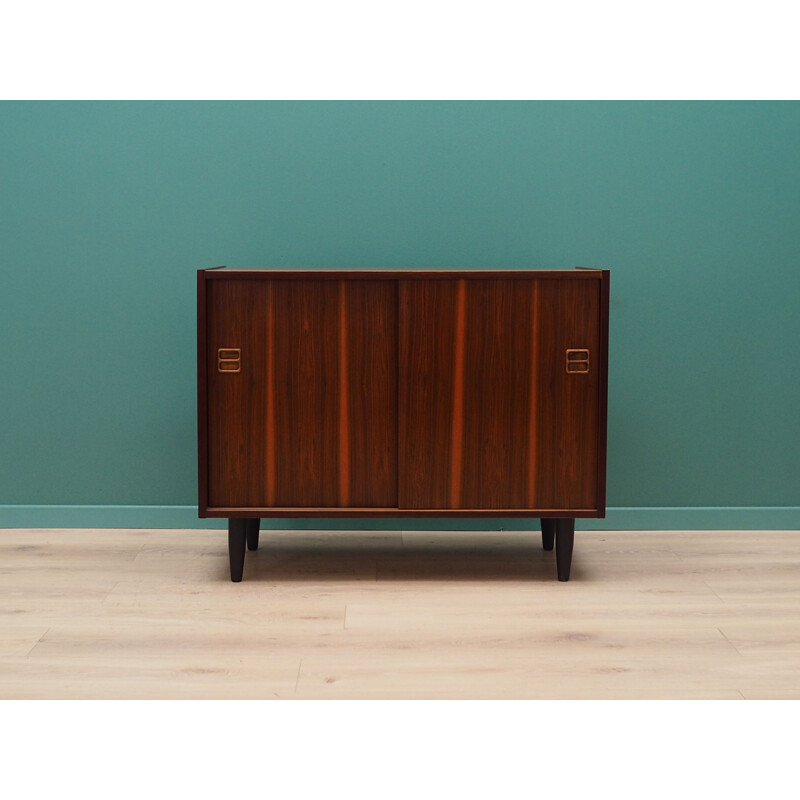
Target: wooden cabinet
{"x":400,"y":393}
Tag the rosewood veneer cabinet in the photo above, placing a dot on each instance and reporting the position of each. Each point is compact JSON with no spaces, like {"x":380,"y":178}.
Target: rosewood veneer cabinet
{"x":400,"y":393}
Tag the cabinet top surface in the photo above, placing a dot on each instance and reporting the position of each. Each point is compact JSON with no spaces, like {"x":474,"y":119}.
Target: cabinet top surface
{"x":369,"y":272}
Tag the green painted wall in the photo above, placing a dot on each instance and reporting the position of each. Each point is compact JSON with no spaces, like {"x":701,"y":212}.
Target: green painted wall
{"x":108,"y":208}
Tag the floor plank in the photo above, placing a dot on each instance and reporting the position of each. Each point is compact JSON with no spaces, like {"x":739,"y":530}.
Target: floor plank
{"x":413,"y":614}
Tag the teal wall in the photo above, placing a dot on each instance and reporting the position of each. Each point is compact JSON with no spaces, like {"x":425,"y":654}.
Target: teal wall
{"x":108,"y":208}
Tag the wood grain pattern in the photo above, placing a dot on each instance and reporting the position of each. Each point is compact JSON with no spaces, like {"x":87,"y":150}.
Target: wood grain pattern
{"x":237,"y":425}
{"x":262,"y":273}
{"x":372,"y":392}
{"x":602,"y":399}
{"x":306,"y":407}
{"x":344,"y":411}
{"x":327,"y":445}
{"x":394,"y":511}
{"x":428,"y":312}
{"x":385,"y":392}
{"x":483,"y":360}
{"x":457,"y":408}
{"x":567,"y":422}
{"x":498,"y":402}
{"x":202,"y":394}
{"x":533,"y":462}
{"x":269,"y":443}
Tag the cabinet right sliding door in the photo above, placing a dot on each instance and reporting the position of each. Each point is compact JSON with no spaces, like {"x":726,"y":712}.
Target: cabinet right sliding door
{"x":499,"y":394}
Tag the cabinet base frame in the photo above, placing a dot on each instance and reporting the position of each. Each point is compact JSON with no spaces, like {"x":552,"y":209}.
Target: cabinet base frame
{"x":277,"y":512}
{"x":243,"y":535}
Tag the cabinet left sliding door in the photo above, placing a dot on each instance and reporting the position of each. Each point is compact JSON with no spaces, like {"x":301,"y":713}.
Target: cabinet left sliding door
{"x":301,"y":393}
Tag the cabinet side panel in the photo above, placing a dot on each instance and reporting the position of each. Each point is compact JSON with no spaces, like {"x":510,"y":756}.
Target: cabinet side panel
{"x":428,"y":323}
{"x":202,"y":395}
{"x":567,"y":413}
{"x":603,"y":395}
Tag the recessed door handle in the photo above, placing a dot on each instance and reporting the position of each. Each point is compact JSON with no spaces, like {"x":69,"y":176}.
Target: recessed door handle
{"x":577,"y":360}
{"x":229,"y":359}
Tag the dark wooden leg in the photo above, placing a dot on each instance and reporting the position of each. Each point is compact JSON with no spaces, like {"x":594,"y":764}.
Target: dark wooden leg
{"x":252,"y":533}
{"x":548,"y":533}
{"x":237,"y":536}
{"x":565,"y":537}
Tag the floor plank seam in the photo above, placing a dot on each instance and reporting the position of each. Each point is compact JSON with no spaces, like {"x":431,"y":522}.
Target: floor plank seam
{"x":711,"y":589}
{"x":729,"y":642}
{"x":109,"y":592}
{"x":297,"y":679}
{"x":139,"y":552}
{"x":37,"y":642}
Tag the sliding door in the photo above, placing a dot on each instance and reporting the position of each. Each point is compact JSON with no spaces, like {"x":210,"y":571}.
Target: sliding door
{"x":302,"y":393}
{"x":498,"y":393}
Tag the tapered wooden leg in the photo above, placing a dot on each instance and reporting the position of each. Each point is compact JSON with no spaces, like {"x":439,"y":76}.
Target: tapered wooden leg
{"x":237,"y":536}
{"x":252,"y":533}
{"x":565,"y":538}
{"x":548,"y":533}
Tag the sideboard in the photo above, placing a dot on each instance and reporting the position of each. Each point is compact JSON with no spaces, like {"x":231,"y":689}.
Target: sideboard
{"x":402,"y":393}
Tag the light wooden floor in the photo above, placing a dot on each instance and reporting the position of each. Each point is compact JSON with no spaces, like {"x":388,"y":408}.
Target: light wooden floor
{"x":152,"y":614}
